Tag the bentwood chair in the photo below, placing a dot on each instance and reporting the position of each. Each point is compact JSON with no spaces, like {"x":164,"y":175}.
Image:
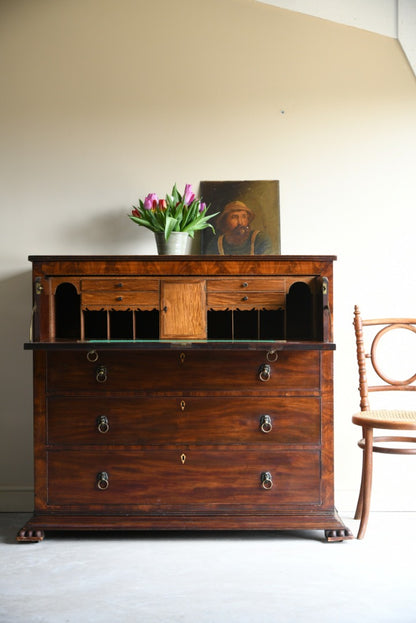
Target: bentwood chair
{"x":390,"y":419}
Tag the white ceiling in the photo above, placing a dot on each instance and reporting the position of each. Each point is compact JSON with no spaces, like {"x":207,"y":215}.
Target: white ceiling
{"x":392,"y":18}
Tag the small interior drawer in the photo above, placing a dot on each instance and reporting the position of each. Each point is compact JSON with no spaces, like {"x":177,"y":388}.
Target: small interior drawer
{"x":119,"y":284}
{"x":120,"y":298}
{"x":245,"y":299}
{"x":249,"y":284}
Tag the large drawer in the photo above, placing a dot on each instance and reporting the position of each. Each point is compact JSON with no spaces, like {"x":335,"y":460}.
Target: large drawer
{"x":182,"y":420}
{"x":175,"y":371}
{"x":182,"y":478}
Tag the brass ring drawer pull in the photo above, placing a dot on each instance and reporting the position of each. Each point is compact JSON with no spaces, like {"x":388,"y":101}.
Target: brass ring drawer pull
{"x":92,"y":356}
{"x":103,"y":425}
{"x":101,"y":374}
{"x":266,"y":480}
{"x":265,"y":372}
{"x":272,"y":356}
{"x":266,"y":424}
{"x":102,"y":481}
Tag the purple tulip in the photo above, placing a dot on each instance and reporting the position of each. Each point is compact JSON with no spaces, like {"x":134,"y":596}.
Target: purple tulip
{"x":189,"y":195}
{"x":150,"y":201}
{"x":202,"y":206}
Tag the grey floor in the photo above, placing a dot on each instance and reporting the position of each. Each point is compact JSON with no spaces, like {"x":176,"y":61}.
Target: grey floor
{"x":211,"y":578}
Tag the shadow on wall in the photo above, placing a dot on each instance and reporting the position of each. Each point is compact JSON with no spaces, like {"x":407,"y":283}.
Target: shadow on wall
{"x":16,"y":381}
{"x":111,"y":233}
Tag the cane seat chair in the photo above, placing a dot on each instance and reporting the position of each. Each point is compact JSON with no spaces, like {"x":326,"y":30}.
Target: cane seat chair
{"x":390,"y":419}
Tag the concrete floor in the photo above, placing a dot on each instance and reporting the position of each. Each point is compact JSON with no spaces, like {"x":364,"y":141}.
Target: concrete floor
{"x":211,"y":578}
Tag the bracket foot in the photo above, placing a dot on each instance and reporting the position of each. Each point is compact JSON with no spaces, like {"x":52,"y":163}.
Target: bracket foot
{"x":343,"y":534}
{"x":26,"y":535}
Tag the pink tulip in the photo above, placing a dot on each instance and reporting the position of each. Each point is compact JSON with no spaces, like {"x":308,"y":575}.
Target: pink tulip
{"x":189,"y":195}
{"x":202,"y":206}
{"x":150,"y":201}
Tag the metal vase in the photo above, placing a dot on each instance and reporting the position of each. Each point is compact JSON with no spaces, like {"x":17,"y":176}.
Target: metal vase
{"x":178,"y":243}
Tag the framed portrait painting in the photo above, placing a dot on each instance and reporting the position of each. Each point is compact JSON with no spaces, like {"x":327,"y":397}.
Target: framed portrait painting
{"x":248,"y":219}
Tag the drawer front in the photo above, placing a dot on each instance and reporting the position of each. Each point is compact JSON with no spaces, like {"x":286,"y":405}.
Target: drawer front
{"x":183,"y":478}
{"x":246,"y":284}
{"x":174,"y":371}
{"x":187,"y":420}
{"x":120,"y":299}
{"x":120,"y":284}
{"x":245,"y":300}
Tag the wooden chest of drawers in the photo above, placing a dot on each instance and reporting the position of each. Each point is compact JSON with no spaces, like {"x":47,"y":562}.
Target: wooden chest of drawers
{"x":178,"y":394}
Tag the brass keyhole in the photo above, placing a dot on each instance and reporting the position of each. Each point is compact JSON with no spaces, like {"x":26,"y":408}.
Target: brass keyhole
{"x":182,"y":357}
{"x":182,"y":405}
{"x":183,"y":458}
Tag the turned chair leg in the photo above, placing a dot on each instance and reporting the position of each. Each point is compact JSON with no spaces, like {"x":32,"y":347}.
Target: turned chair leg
{"x":363,"y":506}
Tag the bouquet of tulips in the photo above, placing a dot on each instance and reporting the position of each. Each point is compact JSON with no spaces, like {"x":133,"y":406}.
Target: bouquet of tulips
{"x":175,"y":212}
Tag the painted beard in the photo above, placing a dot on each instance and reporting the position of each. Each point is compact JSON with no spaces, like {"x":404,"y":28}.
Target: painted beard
{"x":238,"y":235}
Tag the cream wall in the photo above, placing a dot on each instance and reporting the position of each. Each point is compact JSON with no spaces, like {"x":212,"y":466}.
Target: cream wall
{"x":105,"y":100}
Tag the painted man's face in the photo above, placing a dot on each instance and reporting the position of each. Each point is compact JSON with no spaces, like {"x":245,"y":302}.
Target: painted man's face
{"x":238,"y":218}
{"x":237,"y":226}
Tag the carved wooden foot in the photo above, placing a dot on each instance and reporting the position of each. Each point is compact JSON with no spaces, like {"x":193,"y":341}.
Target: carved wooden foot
{"x":343,"y":534}
{"x":26,"y":535}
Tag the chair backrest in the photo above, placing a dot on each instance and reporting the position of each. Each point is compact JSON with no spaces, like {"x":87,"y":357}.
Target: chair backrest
{"x":383,"y":326}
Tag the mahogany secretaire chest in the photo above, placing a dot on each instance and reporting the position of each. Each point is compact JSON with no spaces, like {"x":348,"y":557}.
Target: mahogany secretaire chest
{"x":183,"y":393}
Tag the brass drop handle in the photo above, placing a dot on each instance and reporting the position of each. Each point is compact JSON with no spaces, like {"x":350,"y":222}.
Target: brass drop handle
{"x":265,"y":372}
{"x":266,"y":480}
{"x":101,"y":374}
{"x":266,"y":424}
{"x":102,"y":481}
{"x":103,"y":425}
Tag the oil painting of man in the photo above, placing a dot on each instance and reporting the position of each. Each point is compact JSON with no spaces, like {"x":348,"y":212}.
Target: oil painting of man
{"x":248,"y":222}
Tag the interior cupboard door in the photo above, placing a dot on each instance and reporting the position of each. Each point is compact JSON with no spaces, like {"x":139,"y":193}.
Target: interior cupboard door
{"x":183,"y":310}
